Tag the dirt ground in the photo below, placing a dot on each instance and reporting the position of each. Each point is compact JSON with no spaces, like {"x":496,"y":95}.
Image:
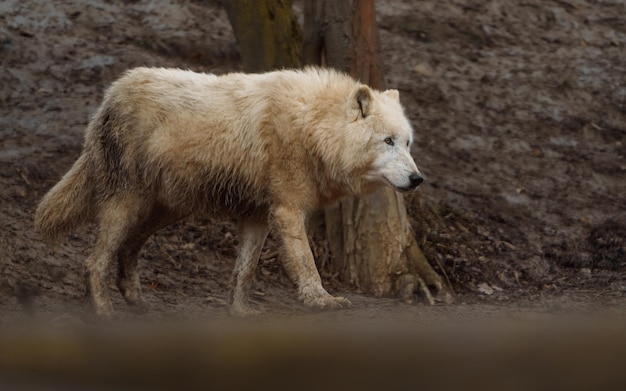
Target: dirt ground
{"x":519,"y":109}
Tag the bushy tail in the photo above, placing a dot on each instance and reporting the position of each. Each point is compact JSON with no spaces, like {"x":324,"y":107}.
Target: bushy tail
{"x":68,"y":204}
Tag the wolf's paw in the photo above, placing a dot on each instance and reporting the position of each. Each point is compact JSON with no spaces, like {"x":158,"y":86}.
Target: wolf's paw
{"x":243,"y":311}
{"x":104,"y":313}
{"x":324,"y":301}
{"x":139,"y":306}
{"x":102,"y":308}
{"x":137,"y":303}
{"x":131,"y":291}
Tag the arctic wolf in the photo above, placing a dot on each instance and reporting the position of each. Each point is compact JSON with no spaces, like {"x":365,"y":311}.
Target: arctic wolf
{"x":266,"y":149}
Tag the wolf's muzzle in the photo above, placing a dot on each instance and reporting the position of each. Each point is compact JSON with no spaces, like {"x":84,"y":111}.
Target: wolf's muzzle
{"x":415,"y":180}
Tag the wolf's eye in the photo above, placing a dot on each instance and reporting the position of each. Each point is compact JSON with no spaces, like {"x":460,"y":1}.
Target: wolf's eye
{"x":389,"y":141}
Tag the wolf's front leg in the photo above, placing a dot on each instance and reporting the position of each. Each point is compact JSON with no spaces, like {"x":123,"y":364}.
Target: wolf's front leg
{"x":299,"y":262}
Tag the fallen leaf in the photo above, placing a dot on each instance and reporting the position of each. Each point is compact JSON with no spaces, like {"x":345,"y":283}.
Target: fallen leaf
{"x":484,"y":288}
{"x":424,"y":70}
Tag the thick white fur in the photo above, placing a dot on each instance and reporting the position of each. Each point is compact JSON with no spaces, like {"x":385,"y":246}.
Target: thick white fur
{"x":266,"y":149}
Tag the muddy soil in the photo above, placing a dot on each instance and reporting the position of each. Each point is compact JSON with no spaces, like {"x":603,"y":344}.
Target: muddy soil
{"x":519,"y":109}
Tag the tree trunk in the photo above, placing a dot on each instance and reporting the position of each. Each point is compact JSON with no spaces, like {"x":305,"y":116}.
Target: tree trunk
{"x":372,"y":244}
{"x":267,"y":33}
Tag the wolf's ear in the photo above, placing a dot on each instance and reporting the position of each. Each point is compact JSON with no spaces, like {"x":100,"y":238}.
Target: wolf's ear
{"x":362,"y":100}
{"x":393,"y":94}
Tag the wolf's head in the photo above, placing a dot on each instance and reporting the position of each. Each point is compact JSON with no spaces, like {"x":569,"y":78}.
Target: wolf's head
{"x":380,"y":118}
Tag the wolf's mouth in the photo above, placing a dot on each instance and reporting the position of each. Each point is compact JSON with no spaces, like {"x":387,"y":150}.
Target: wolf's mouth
{"x":397,"y":188}
{"x":404,"y":189}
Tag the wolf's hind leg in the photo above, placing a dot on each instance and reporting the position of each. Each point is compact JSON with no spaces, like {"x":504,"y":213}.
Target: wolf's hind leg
{"x":127,"y":276}
{"x":118,"y":216}
{"x":253,"y":236}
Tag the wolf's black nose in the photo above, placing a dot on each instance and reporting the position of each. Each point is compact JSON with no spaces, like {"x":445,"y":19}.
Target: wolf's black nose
{"x":415,"y":179}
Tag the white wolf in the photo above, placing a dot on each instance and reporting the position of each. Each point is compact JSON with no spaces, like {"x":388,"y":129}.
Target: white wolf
{"x":267,"y":149}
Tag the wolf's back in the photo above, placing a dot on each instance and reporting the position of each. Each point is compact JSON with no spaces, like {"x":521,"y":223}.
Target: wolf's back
{"x":68,"y":204}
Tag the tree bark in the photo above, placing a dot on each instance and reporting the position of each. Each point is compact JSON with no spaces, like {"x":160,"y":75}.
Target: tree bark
{"x":267,"y":33}
{"x":372,"y":244}
{"x":343,"y":35}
